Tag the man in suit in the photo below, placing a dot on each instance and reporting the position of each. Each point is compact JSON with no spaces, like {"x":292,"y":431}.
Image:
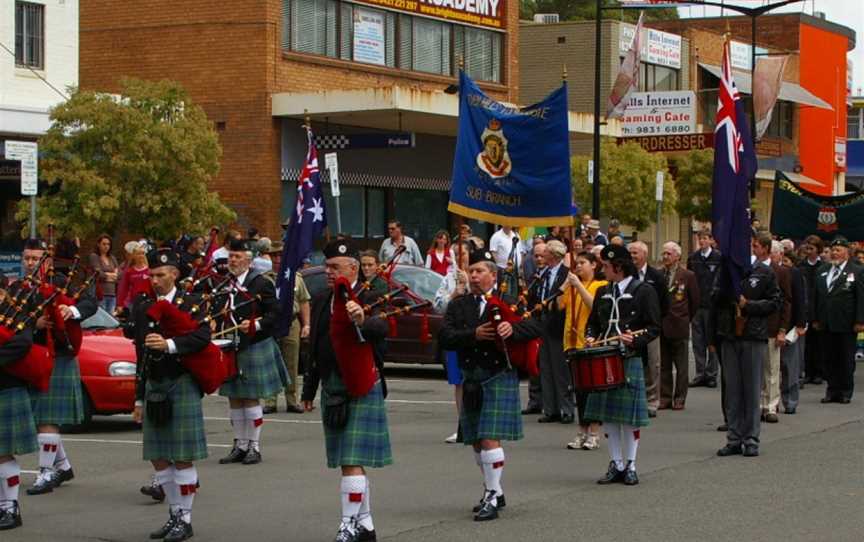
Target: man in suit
{"x":810,"y":267}
{"x":258,"y":356}
{"x":535,"y":388}
{"x":651,"y":356}
{"x":555,"y":379}
{"x":363,"y":440}
{"x":793,"y":353}
{"x":490,"y":409}
{"x":683,"y":294}
{"x":840,"y":316}
{"x":770,"y":252}
{"x":705,"y":263}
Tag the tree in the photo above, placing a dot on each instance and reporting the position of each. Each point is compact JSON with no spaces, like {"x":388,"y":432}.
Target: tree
{"x":628,"y":181}
{"x":693,"y":184}
{"x":585,"y":10}
{"x":140,"y":162}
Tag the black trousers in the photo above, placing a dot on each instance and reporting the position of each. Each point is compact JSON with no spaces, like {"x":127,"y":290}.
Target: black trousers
{"x":840,"y":363}
{"x":813,"y":355}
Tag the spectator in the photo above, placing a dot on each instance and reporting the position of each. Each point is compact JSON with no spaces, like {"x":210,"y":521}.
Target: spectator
{"x":263,"y":263}
{"x":593,"y":233}
{"x":651,"y":355}
{"x":192,"y":257}
{"x":535,"y":391}
{"x":410,"y":256}
{"x":529,"y":267}
{"x":813,"y":347}
{"x":770,"y":252}
{"x":614,"y":229}
{"x":577,"y":246}
{"x":705,"y":263}
{"x":106,"y":265}
{"x":582,"y":228}
{"x":252,"y":233}
{"x":369,"y":270}
{"x":440,"y":257}
{"x":501,"y":246}
{"x":616,"y":240}
{"x":222,"y":252}
{"x":555,"y":234}
{"x":135,"y":277}
{"x":792,"y":353}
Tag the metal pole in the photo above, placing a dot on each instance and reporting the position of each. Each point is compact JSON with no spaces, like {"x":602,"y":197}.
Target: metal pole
{"x":595,"y":202}
{"x":753,"y":96}
{"x":657,"y":235}
{"x":32,"y":217}
{"x":338,"y":215}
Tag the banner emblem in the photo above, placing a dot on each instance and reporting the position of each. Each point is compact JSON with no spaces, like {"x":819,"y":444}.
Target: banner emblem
{"x":827,"y":219}
{"x":494,"y":159}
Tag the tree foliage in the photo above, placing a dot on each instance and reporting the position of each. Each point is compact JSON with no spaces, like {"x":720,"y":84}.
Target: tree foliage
{"x":140,"y":162}
{"x":585,"y":10}
{"x":693,"y":184}
{"x":628,"y":182}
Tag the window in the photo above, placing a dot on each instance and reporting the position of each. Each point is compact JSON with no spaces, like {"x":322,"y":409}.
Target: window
{"x":782,"y":120}
{"x":655,"y":78}
{"x":30,"y":35}
{"x":853,"y":123}
{"x":333,"y":28}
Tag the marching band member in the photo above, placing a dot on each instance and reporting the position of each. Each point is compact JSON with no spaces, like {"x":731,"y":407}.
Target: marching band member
{"x":622,"y":307}
{"x":352,"y":399}
{"x":262,"y":372}
{"x":63,"y":403}
{"x":168,"y":399}
{"x":490,"y":407}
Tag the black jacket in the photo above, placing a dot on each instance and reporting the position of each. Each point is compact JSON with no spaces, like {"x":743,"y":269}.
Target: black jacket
{"x":322,"y":358}
{"x":764,"y":298}
{"x":841,"y":307}
{"x":706,"y":270}
{"x":265,"y":309}
{"x":458,"y":333}
{"x":552,"y":318}
{"x":638,"y":309}
{"x":799,"y":297}
{"x":11,"y":351}
{"x":810,"y":273}
{"x":656,"y":280}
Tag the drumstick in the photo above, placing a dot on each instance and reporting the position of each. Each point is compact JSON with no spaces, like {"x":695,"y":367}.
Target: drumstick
{"x":617,"y":337}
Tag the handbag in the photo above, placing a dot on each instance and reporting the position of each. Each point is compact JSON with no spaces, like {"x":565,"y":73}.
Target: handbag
{"x":336,"y":411}
{"x":158,"y":408}
{"x":472,"y":396}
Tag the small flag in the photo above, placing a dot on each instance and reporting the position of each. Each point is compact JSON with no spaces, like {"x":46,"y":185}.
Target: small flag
{"x":628,"y":76}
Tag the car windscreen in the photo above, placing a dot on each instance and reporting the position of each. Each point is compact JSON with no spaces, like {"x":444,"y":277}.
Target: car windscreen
{"x":100,"y":320}
{"x":423,"y":282}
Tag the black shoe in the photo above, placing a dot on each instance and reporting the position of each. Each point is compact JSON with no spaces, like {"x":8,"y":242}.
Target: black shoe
{"x":697,"y":382}
{"x":45,"y":483}
{"x":826,"y":399}
{"x":652,"y":413}
{"x":253,"y":457}
{"x":710,"y":383}
{"x":723,"y":427}
{"x":364,"y":535}
{"x":154,"y":491}
{"x":294,"y":409}
{"x":268,"y":410}
{"x":548,"y":419}
{"x":751,"y":451}
{"x":502,"y":503}
{"x":844,"y":400}
{"x":235,"y":456}
{"x":816,"y":381}
{"x":630,"y":477}
{"x":348,"y":532}
{"x":163,"y":531}
{"x":179,"y":531}
{"x":489,"y":510}
{"x":10,"y":519}
{"x":64,"y":476}
{"x":771,"y":418}
{"x":729,"y":449}
{"x":531,"y":410}
{"x":567,"y":419}
{"x":613,"y":475}
{"x":790,"y":411}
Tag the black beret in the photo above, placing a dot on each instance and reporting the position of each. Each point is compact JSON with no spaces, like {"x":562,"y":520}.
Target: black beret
{"x":341,"y":248}
{"x":615,"y":252}
{"x":840,"y":241}
{"x":239,"y":245}
{"x":480,"y":256}
{"x":162,"y":256}
{"x":35,"y":244}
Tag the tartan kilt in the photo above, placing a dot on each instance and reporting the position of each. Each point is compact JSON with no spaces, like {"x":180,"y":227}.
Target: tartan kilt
{"x":625,"y":405}
{"x":63,"y":403}
{"x":183,"y":437}
{"x":500,"y":417}
{"x":17,"y":428}
{"x":365,"y":439}
{"x":262,"y":372}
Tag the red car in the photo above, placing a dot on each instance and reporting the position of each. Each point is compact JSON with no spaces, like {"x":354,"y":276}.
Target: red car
{"x":107,"y":361}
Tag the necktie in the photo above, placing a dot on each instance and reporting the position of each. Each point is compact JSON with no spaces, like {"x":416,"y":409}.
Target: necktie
{"x":547,"y":285}
{"x":835,"y":272}
{"x":478,"y":301}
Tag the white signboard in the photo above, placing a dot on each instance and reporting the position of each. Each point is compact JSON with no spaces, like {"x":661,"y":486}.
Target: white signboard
{"x":590,"y":171}
{"x":658,"y":194}
{"x":332,"y":164}
{"x":369,"y":36}
{"x":27,"y":152}
{"x":658,"y":47}
{"x":660,"y":113}
{"x":740,"y":55}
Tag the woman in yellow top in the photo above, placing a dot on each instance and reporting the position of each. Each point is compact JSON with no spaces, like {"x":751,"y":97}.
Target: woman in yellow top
{"x":578,"y":298}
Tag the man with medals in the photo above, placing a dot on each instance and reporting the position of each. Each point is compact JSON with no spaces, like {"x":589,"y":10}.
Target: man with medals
{"x":628,"y":309}
{"x":168,"y":398}
{"x":63,"y":403}
{"x":490,"y":409}
{"x":254,"y":310}
{"x":343,"y":345}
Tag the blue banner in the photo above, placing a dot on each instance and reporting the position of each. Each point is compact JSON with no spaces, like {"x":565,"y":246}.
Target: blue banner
{"x":512,"y":166}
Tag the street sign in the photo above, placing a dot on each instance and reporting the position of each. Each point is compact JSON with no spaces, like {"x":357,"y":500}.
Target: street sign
{"x":384,"y":140}
{"x":659,"y":113}
{"x":590,"y":171}
{"x":331,"y":162}
{"x":659,"y":193}
{"x":27,"y":153}
{"x":672,"y":143}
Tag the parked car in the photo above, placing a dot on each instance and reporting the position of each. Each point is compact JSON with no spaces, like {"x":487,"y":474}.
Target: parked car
{"x":406,"y":345}
{"x":107,"y":361}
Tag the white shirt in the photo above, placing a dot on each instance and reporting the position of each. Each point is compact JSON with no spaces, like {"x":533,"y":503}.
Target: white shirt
{"x":240,"y":280}
{"x":483,"y":302}
{"x":706,"y":253}
{"x":642,"y":271}
{"x":836,"y":271}
{"x":169,"y":297}
{"x":623,"y":284}
{"x":500,"y":246}
{"x":220,"y":252}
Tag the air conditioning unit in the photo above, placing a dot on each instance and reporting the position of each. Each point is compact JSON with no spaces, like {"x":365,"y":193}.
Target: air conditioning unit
{"x":819,"y":14}
{"x":545,"y":18}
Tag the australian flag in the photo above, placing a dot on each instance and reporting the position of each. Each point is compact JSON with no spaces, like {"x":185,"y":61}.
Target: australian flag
{"x":309,"y":220}
{"x":734,"y":165}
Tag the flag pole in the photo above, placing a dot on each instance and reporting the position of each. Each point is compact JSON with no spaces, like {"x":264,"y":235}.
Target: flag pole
{"x":595,"y":186}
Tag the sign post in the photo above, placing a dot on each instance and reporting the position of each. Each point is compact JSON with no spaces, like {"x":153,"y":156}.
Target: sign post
{"x":27,"y":153}
{"x":331,"y":162}
{"x":658,"y":195}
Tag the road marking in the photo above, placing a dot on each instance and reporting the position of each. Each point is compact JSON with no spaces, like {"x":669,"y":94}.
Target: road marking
{"x":29,"y":471}
{"x":266,"y":420}
{"x":138,"y":442}
{"x":412,"y":402}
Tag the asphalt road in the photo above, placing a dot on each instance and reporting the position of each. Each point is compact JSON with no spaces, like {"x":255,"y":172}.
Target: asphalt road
{"x":807,"y":485}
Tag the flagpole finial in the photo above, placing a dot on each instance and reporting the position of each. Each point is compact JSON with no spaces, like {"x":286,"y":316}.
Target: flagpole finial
{"x":564,"y":72}
{"x":461,"y":62}
{"x":307,"y":120}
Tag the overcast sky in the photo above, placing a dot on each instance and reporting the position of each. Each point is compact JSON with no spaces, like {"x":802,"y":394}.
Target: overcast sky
{"x":849,"y":13}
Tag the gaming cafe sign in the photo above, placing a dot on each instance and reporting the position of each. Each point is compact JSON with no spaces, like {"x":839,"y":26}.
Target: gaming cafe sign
{"x":486,"y":13}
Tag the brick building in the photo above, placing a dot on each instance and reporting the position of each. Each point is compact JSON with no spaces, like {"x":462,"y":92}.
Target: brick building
{"x":355,"y":67}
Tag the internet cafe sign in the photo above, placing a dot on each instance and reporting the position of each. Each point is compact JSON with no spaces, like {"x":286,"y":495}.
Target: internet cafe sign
{"x":658,"y":47}
{"x":659,"y":113}
{"x":487,"y":13}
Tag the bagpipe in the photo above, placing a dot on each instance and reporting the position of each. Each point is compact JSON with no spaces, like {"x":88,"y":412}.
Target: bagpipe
{"x":354,"y":355}
{"x":523,"y":355}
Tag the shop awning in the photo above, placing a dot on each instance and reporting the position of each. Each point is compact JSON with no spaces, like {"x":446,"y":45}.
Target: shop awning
{"x":790,"y":92}
{"x":768,"y":175}
{"x":397,"y":108}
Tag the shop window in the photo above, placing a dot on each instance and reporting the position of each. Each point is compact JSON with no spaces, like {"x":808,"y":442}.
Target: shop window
{"x":782,"y":120}
{"x":30,"y":35}
{"x":657,"y":78}
{"x":422,"y":213}
{"x":480,"y":51}
{"x":376,"y":216}
{"x":352,"y":210}
{"x":853,"y":123}
{"x":431,"y":46}
{"x":312,"y":26}
{"x":367,"y":35}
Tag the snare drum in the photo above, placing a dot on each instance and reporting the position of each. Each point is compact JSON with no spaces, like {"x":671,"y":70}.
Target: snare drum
{"x":598,"y":368}
{"x":227,"y":357}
